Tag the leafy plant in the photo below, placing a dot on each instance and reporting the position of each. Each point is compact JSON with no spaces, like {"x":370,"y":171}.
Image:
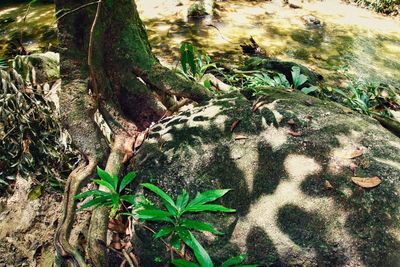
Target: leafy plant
{"x":31,"y":140}
{"x":3,"y":64}
{"x":114,"y":197}
{"x":179,"y":228}
{"x":234,"y":261}
{"x":194,"y":63}
{"x":262,"y":79}
{"x":298,"y":78}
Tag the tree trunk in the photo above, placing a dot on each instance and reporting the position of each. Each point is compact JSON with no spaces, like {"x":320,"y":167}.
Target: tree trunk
{"x":107,"y":66}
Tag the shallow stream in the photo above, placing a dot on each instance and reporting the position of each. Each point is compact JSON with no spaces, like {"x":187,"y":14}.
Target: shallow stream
{"x":348,"y":39}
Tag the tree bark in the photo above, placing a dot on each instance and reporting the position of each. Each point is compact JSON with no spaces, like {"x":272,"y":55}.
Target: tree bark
{"x":108,"y":66}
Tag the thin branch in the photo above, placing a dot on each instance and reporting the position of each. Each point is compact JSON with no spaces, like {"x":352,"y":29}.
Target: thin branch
{"x":90,"y":50}
{"x":76,"y":9}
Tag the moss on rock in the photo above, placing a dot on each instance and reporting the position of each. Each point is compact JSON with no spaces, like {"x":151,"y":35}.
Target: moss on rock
{"x":286,"y":214}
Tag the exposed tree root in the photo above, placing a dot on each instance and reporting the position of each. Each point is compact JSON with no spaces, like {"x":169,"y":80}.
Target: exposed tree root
{"x":64,"y":250}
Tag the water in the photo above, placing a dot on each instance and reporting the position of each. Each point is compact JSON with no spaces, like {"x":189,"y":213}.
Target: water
{"x":350,"y":39}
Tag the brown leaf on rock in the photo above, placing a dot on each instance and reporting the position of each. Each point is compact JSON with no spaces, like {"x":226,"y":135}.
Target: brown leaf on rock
{"x":347,"y":110}
{"x":117,"y":226}
{"x":234,"y":125}
{"x":328,"y":185}
{"x":356,"y":153}
{"x":295,"y":134}
{"x":368,"y":182}
{"x":140,"y":138}
{"x":240,"y":137}
{"x":291,"y":122}
{"x":257,"y":105}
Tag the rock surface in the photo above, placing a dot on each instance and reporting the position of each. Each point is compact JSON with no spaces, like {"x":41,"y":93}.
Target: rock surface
{"x":46,"y":66}
{"x":290,"y":172}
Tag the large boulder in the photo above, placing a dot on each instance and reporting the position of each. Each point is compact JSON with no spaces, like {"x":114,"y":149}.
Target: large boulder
{"x":290,"y":165}
{"x":45,"y":65}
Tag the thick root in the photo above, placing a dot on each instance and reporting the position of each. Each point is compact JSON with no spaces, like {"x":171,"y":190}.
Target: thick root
{"x":97,"y":236}
{"x":64,"y":250}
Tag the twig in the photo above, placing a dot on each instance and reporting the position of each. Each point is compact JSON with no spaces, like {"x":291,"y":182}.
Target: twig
{"x":90,"y":49}
{"x":76,"y":9}
{"x":128,"y":258}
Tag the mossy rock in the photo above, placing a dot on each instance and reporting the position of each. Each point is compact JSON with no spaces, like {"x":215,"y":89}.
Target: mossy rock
{"x":46,"y":66}
{"x":197,"y":9}
{"x":290,"y":179}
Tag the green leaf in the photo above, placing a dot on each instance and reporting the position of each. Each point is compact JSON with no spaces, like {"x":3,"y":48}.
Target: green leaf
{"x":105,"y":184}
{"x":207,"y":196}
{"x":184,"y":263}
{"x":129,"y":198}
{"x":234,"y":261}
{"x":187,"y":57}
{"x":298,"y":79}
{"x":201,"y":254}
{"x":166,"y":199}
{"x":184,"y":57}
{"x":154,"y":215}
{"x":309,"y":90}
{"x":207,"y":84}
{"x":199,"y":226}
{"x":103,"y":201}
{"x":164,"y":231}
{"x":127,"y":180}
{"x":91,"y":193}
{"x":107,"y":177}
{"x":175,"y":242}
{"x":182,"y":200}
{"x":209,"y":207}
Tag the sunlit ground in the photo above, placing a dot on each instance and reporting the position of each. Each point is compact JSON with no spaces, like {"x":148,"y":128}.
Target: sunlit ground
{"x":350,"y":38}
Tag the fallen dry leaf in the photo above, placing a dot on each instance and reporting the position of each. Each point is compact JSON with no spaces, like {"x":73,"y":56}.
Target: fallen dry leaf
{"x":295,"y":134}
{"x":328,"y":185}
{"x":117,"y":226}
{"x":291,"y":122}
{"x":347,"y":110}
{"x":140,"y":138}
{"x":234,"y":125}
{"x":349,"y":154}
{"x":356,"y":153}
{"x":368,"y":182}
{"x":240,"y":137}
{"x":257,"y":105}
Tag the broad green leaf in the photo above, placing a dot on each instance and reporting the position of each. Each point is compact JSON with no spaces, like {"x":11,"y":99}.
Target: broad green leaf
{"x":309,"y":90}
{"x":184,"y":57}
{"x":209,"y":207}
{"x":166,"y":199}
{"x":298,"y":78}
{"x":207,"y":84}
{"x":164,"y":231}
{"x":199,"y":226}
{"x":182,"y":200}
{"x":234,"y":261}
{"x":98,"y":201}
{"x":191,"y":61}
{"x":154,"y":215}
{"x":183,"y":263}
{"x":129,"y":198}
{"x":107,"y":177}
{"x":91,"y":193}
{"x":127,"y":180}
{"x":175,"y":242}
{"x":105,"y":184}
{"x":207,"y":196}
{"x":201,"y":254}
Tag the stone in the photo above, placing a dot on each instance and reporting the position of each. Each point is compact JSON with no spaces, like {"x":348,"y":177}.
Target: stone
{"x":285,"y":215}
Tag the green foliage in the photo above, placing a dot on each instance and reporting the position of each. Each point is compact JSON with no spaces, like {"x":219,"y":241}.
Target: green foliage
{"x":178,"y":228}
{"x":30,"y":134}
{"x":298,"y":78}
{"x":234,"y":261}
{"x":112,"y":198}
{"x":3,"y":64}
{"x":383,"y":6}
{"x":263,"y":80}
{"x":194,"y":63}
{"x":368,"y":97}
